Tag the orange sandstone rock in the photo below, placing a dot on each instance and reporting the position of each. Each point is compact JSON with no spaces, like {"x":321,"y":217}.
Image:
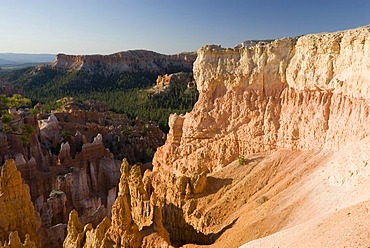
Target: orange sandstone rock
{"x":135,"y":214}
{"x":17,"y":214}
{"x":295,"y":93}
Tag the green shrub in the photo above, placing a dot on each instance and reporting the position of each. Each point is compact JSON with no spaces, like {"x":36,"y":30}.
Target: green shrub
{"x":242,"y":160}
{"x":262,"y":199}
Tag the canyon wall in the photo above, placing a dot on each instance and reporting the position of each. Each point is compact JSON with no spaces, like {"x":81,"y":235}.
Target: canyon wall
{"x":304,"y":93}
{"x":307,"y":93}
{"x":129,"y":61}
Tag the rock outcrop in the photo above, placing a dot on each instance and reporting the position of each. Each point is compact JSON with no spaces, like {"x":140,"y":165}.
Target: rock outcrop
{"x":147,"y":213}
{"x":67,"y":164}
{"x":166,"y":82}
{"x":129,"y":61}
{"x":126,"y":138}
{"x":18,"y":218}
{"x":15,"y":242}
{"x":136,"y":218}
{"x":29,"y":154}
{"x":295,"y":93}
{"x":80,"y":183}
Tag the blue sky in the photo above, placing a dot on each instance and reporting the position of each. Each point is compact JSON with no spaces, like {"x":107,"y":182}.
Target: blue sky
{"x":165,"y":26}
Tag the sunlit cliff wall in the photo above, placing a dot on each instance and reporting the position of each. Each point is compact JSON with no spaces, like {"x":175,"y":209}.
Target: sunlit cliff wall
{"x":302,"y":93}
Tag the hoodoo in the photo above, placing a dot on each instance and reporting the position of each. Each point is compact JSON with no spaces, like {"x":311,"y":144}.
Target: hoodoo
{"x":19,"y":220}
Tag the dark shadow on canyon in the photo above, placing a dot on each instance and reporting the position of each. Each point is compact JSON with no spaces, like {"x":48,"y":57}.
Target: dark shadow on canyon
{"x":214,"y":184}
{"x":182,"y":233}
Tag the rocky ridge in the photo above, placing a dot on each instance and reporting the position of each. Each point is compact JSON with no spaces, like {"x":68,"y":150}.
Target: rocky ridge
{"x":129,"y":61}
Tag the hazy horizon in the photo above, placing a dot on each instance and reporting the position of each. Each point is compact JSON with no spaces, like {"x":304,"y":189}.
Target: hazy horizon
{"x":169,"y":27}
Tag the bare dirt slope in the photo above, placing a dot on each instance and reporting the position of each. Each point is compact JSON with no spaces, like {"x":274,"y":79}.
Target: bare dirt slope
{"x":293,"y":199}
{"x":333,"y":209}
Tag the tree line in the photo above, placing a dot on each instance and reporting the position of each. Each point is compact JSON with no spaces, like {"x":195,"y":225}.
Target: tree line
{"x":125,"y":93}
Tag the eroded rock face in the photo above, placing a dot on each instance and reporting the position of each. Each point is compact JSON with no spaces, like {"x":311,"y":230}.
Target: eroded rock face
{"x":18,"y":219}
{"x":135,"y":215}
{"x":150,"y":211}
{"x":296,"y":93}
{"x":166,"y":82}
{"x":68,"y":165}
{"x":124,"y":137}
{"x":15,"y":242}
{"x":80,"y":183}
{"x":33,"y":153}
{"x":129,"y":61}
{"x":75,"y":231}
{"x":80,"y":176}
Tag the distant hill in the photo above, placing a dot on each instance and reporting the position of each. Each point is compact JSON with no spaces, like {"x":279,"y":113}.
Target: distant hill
{"x":127,"y":61}
{"x":122,"y":80}
{"x":20,"y":60}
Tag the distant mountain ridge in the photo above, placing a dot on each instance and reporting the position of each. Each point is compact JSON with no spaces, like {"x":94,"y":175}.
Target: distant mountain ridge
{"x":24,"y":58}
{"x":120,"y":80}
{"x":127,"y":61}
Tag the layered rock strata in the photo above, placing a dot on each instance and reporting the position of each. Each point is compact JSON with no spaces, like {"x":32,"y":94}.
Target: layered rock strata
{"x":129,"y":61}
{"x":302,"y":93}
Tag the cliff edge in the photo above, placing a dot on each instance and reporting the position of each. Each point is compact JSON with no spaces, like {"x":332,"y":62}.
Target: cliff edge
{"x":128,"y":61}
{"x":304,"y":93}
